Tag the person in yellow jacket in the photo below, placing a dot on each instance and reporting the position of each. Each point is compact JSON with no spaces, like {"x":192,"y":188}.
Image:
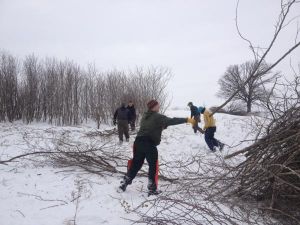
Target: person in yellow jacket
{"x":209,"y":130}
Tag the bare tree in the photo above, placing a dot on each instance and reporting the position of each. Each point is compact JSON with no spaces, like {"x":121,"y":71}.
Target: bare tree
{"x":260,"y":54}
{"x":31,"y":88}
{"x":235,"y":77}
{"x":9,"y":68}
{"x":63,"y":93}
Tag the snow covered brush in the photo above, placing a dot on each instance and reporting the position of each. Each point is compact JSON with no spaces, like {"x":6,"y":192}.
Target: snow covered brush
{"x":263,"y":188}
{"x":96,"y":152}
{"x":271,"y":172}
{"x":60,"y":149}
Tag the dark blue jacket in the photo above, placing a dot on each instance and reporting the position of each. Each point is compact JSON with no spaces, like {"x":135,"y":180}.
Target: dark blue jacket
{"x":132,"y":112}
{"x":121,"y":113}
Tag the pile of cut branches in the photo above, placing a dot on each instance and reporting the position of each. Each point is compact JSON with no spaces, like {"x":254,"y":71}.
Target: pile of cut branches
{"x":271,"y":171}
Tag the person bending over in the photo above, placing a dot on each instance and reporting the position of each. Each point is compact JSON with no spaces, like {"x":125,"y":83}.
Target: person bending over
{"x":195,"y":114}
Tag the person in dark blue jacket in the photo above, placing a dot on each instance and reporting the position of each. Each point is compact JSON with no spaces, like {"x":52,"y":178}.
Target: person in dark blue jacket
{"x":132,"y":115}
{"x":195,"y":114}
{"x":121,"y":118}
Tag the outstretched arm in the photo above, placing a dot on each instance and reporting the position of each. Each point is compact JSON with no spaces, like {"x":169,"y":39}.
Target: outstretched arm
{"x":175,"y":121}
{"x":167,"y":121}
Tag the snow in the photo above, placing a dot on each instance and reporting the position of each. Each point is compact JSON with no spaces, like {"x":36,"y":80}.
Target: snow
{"x":41,"y":194}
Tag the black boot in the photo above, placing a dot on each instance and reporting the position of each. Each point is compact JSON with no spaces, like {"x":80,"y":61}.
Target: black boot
{"x":124,"y":183}
{"x":152,"y":188}
{"x":221,"y":146}
{"x":153,"y":192}
{"x":214,"y":149}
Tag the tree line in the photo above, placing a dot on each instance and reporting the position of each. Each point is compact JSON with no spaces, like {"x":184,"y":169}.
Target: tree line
{"x":64,"y":93}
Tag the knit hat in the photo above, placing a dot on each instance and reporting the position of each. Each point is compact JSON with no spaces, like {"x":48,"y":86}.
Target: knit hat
{"x":190,"y":104}
{"x":152,"y":103}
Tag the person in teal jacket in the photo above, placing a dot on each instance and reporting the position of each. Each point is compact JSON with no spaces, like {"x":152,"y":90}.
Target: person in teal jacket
{"x":195,"y":114}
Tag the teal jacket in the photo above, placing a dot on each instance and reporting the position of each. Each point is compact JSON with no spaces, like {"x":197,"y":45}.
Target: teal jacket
{"x":153,"y":123}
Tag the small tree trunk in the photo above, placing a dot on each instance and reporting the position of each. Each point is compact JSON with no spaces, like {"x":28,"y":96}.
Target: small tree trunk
{"x":249,"y":106}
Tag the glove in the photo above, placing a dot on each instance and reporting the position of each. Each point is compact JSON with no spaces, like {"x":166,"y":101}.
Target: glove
{"x":115,"y":123}
{"x":191,"y":121}
{"x":201,"y":131}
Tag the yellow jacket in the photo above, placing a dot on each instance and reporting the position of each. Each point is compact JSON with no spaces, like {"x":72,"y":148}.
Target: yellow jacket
{"x":209,"y":121}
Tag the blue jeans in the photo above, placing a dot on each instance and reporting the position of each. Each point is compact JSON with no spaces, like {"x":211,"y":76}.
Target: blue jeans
{"x":210,"y":139}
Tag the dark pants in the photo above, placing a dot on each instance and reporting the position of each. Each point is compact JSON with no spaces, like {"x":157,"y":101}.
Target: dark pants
{"x":196,"y":126}
{"x":144,"y":149}
{"x":132,"y":124}
{"x":210,"y":139}
{"x":123,"y":129}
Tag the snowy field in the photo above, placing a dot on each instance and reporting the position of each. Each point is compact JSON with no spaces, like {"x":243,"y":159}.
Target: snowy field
{"x":33,"y":193}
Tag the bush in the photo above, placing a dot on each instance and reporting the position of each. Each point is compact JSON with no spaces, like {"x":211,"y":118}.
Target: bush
{"x":63,"y":93}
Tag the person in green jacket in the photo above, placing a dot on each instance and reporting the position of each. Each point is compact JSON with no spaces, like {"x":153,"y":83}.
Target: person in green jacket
{"x":148,"y":137}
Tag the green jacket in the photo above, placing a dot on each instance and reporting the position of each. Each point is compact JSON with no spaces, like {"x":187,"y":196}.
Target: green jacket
{"x":153,"y":123}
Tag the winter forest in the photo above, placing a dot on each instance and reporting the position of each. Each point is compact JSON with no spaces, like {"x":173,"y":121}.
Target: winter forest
{"x":138,"y":141}
{"x":62,"y":93}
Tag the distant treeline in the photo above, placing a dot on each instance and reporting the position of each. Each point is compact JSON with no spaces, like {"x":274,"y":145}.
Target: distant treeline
{"x":63,"y":93}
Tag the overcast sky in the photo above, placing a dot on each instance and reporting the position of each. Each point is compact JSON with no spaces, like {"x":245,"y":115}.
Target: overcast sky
{"x":196,"y":39}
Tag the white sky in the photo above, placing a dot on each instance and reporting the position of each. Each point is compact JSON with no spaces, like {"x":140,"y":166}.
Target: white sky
{"x":196,"y":39}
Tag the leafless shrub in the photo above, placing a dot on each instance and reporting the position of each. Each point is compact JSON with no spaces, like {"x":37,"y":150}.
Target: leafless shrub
{"x":63,"y":93}
{"x":271,"y":172}
{"x":9,"y":104}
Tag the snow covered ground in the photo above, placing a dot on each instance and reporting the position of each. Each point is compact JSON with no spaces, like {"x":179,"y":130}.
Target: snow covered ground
{"x":39,"y":194}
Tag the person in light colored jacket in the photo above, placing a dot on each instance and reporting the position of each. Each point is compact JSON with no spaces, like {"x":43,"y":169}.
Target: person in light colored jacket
{"x":209,"y":130}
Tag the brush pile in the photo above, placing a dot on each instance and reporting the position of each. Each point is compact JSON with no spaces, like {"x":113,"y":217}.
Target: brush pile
{"x":271,"y":172}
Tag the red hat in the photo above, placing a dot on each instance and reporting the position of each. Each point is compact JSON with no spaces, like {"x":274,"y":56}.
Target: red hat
{"x":152,"y":103}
